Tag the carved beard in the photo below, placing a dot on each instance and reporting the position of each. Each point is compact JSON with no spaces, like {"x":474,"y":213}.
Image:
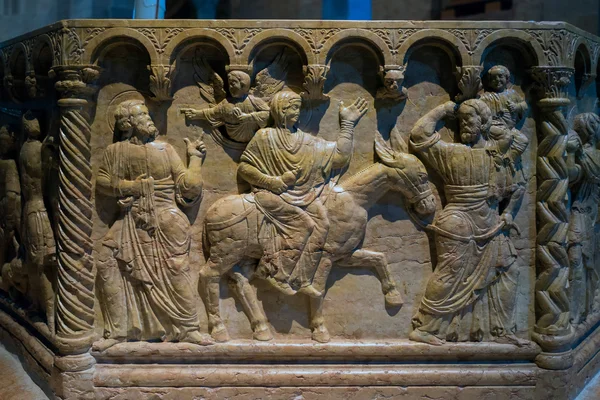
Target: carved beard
{"x":469,"y":136}
{"x":147,"y":131}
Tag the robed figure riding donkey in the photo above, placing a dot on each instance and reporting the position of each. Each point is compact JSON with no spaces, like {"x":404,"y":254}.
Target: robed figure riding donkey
{"x":299,"y":220}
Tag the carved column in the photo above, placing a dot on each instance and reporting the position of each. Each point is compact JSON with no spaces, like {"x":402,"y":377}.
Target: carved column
{"x":553,"y":330}
{"x":314,"y":81}
{"x":75,"y":288}
{"x":469,"y":81}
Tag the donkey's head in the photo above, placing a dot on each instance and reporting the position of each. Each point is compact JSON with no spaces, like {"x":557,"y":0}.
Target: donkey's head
{"x":409,"y":177}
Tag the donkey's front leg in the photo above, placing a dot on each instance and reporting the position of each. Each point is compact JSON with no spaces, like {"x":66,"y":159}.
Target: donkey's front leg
{"x":239,"y":282}
{"x":373,"y":259}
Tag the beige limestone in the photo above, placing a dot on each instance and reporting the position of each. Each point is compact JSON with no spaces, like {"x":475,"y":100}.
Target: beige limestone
{"x":301,"y":208}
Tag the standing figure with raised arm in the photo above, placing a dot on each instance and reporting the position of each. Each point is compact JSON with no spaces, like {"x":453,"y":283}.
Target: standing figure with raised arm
{"x":289,"y":170}
{"x":145,"y":286}
{"x":38,"y":235}
{"x":583,"y":273}
{"x":474,"y":260}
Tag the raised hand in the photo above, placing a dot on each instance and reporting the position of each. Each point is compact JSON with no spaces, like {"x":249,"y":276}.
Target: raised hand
{"x":190,"y":113}
{"x":197,"y":148}
{"x":354,"y":112}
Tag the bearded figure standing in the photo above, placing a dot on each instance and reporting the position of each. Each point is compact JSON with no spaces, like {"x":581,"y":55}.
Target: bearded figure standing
{"x":290,"y":172}
{"x":583,"y":145}
{"x":147,"y":292}
{"x":472,"y":292}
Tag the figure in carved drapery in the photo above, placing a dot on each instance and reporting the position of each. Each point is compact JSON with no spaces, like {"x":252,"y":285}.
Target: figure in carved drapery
{"x":508,"y":108}
{"x":143,"y":267}
{"x":10,"y":215}
{"x":10,"y":194}
{"x":582,"y":145}
{"x":289,"y":170}
{"x":471,"y":294}
{"x":247,"y":110}
{"x":38,"y":235}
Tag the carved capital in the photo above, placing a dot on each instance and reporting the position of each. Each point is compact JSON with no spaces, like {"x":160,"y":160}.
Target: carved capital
{"x":160,"y":82}
{"x":314,"y":81}
{"x":469,"y":81}
{"x":75,"y":84}
{"x":552,"y":83}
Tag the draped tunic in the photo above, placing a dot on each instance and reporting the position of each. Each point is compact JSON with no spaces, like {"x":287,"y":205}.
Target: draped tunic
{"x":222,"y":114}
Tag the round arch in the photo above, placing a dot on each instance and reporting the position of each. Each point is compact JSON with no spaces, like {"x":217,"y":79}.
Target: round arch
{"x":191,"y":37}
{"x":99,"y":45}
{"x":357,"y":36}
{"x":520,"y":40}
{"x":452,"y":45}
{"x":281,"y":35}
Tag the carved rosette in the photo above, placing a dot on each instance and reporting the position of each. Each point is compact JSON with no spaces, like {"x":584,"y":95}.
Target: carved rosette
{"x":553,"y":329}
{"x":469,"y":81}
{"x":75,"y":286}
{"x":314,"y":81}
{"x":160,"y":82}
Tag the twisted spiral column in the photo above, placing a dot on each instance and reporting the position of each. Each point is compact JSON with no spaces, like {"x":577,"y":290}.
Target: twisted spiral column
{"x":553,"y":330}
{"x":75,"y":283}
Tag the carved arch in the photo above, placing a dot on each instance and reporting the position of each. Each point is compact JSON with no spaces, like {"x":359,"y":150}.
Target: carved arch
{"x":582,"y":46}
{"x":191,"y":37}
{"x":278,"y":35}
{"x":357,"y":36}
{"x":38,"y":45}
{"x":19,"y":48}
{"x":99,"y":45}
{"x":520,"y":40}
{"x":449,"y":43}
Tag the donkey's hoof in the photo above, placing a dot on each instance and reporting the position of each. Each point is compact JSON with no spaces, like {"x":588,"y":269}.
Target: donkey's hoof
{"x":219,"y":333}
{"x":263,"y":334}
{"x":393,"y":298}
{"x":321,"y":335}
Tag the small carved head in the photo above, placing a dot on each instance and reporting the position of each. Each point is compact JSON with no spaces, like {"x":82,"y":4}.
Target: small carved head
{"x":393,"y":79}
{"x":587,"y":126}
{"x":239,"y":83}
{"x":7,"y":140}
{"x":498,"y":78}
{"x":133,"y":119}
{"x":31,"y":125}
{"x":31,"y":86}
{"x":285,"y":109}
{"x":475,"y":119}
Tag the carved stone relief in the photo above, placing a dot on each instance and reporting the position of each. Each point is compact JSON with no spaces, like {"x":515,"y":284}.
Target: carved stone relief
{"x":212,"y":192}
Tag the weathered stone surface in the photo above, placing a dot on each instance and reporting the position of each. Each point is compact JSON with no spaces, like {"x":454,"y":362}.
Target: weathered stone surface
{"x":313,"y":208}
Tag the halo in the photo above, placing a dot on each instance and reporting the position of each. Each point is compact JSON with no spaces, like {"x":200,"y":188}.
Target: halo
{"x":118,"y":99}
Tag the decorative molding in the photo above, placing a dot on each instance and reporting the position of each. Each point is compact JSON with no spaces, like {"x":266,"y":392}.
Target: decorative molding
{"x":314,"y":81}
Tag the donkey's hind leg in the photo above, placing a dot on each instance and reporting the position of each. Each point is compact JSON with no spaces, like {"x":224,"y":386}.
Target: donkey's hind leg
{"x":239,"y":282}
{"x":373,"y":259}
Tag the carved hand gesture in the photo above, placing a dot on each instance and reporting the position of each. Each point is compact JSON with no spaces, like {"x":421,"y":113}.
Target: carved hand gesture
{"x":278,"y":186}
{"x":512,"y":107}
{"x":290,"y":177}
{"x":190,"y":113}
{"x":354,"y":112}
{"x":450,"y":109}
{"x":195,"y":148}
{"x":241,"y":116}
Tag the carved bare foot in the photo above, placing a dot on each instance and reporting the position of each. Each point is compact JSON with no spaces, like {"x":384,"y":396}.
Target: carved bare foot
{"x":219,"y":333}
{"x":104,"y":344}
{"x":512,"y":339}
{"x":283,"y":287}
{"x":196,"y":337}
{"x":425,"y":337}
{"x":310,"y":291}
{"x":393,"y":298}
{"x":321,"y":334}
{"x":262,"y":332}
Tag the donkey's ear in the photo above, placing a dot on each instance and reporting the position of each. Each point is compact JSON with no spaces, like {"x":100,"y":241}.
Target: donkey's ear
{"x":384,"y":152}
